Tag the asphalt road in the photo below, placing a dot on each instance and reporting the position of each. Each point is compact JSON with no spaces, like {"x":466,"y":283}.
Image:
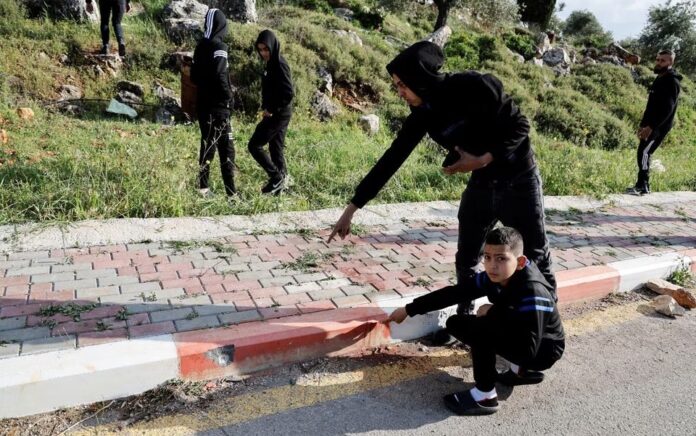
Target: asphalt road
{"x":626,"y":371}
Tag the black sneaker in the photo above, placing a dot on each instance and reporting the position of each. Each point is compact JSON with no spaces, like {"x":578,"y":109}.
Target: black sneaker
{"x":104,"y":50}
{"x":511,"y":378}
{"x":462,"y":403}
{"x":274,"y":186}
{"x":122,"y":50}
{"x":637,"y":191}
{"x":442,"y":338}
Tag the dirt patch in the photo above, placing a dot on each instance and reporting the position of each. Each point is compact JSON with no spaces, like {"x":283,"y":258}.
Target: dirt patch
{"x":357,"y":96}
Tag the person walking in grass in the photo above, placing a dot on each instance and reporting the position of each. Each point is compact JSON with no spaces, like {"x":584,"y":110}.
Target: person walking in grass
{"x":276,"y":102}
{"x":115,"y":9}
{"x":658,"y":117}
{"x":209,"y":72}
{"x":485,"y":133}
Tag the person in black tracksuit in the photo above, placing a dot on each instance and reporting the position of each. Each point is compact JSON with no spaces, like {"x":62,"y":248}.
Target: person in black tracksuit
{"x":484,"y":132}
{"x":214,"y":100}
{"x":116,"y":9}
{"x":522,"y":323}
{"x":276,"y":102}
{"x":658,"y":117}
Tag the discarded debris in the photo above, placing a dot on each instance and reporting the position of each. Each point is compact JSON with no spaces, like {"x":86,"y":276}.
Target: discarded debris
{"x":25,"y":113}
{"x":682,"y":296}
{"x":666,"y":305}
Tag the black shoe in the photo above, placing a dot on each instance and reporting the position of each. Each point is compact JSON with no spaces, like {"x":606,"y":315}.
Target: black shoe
{"x":274,"y":186}
{"x":122,"y":50}
{"x":462,"y":403}
{"x":511,"y":378}
{"x":637,"y":191}
{"x":104,"y":50}
{"x":442,"y":338}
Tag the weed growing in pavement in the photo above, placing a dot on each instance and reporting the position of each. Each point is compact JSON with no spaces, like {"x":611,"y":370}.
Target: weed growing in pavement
{"x":72,"y":310}
{"x":308,"y":261}
{"x":682,"y":275}
{"x":122,"y":314}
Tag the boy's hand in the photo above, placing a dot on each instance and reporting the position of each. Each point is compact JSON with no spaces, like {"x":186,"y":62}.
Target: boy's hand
{"x":483,"y":310}
{"x":267,"y":114}
{"x":467,"y":162}
{"x":398,"y":316}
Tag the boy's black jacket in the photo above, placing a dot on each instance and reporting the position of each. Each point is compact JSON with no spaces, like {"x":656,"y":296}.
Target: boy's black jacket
{"x":209,"y":69}
{"x":276,"y":85}
{"x":662,"y":102}
{"x":525,"y":307}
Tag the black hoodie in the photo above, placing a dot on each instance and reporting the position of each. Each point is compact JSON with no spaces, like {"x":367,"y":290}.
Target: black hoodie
{"x":469,"y":110}
{"x":209,"y":69}
{"x":662,"y":102}
{"x":525,"y":307}
{"x":276,"y":83}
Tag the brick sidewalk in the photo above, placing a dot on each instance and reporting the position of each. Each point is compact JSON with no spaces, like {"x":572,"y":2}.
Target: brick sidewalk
{"x":134,"y":290}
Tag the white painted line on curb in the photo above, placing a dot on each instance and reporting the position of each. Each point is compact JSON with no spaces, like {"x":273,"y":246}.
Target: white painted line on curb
{"x":49,"y":381}
{"x":634,"y":273}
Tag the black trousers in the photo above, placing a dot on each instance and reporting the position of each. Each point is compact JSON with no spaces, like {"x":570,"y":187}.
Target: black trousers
{"x":488,"y":339}
{"x":271,"y":130}
{"x":116,"y":9}
{"x":517,"y":203}
{"x":645,"y":150}
{"x":216,"y":133}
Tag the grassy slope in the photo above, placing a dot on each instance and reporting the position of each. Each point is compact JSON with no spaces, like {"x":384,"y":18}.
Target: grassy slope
{"x":61,"y":168}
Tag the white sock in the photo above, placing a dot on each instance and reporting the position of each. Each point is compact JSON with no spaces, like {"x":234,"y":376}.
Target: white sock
{"x":480,"y":396}
{"x":515,"y":368}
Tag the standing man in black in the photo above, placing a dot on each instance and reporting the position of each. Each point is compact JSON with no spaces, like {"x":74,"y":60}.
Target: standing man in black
{"x":276,"y":101}
{"x":658,"y":117}
{"x":116,"y":9}
{"x":485,"y":133}
{"x":214,"y":101}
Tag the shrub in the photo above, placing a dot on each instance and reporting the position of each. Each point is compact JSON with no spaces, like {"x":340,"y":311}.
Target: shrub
{"x":522,"y":44}
{"x":462,"y":52}
{"x":568,"y":114}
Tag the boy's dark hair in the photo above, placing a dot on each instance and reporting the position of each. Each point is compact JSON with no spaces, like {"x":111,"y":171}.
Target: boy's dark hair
{"x":507,"y":236}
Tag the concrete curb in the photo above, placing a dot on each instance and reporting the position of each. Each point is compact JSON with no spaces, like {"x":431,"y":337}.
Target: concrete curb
{"x":27,"y":237}
{"x":44,"y":382}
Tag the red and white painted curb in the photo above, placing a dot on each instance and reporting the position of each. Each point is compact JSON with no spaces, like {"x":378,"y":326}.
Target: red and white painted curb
{"x":43,"y":382}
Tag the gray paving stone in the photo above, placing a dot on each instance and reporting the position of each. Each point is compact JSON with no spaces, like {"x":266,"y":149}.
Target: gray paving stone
{"x":131,"y":288}
{"x":120,"y":280}
{"x":14,"y":323}
{"x":97,"y":273}
{"x":171,"y":315}
{"x":97,"y":292}
{"x":240,"y":317}
{"x":277,"y":281}
{"x":357,"y":289}
{"x":200,"y":322}
{"x":29,"y":271}
{"x":56,"y":277}
{"x":25,"y":334}
{"x":24,"y":255}
{"x":70,"y":267}
{"x":44,"y":345}
{"x":75,"y":284}
{"x":214,"y":309}
{"x":14,"y":264}
{"x":326,"y":294}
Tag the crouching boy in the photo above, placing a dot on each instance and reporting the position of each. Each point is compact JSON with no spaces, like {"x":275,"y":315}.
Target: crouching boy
{"x":521,"y":324}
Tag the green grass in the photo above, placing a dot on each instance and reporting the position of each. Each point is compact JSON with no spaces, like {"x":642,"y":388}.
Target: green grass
{"x":59,"y":169}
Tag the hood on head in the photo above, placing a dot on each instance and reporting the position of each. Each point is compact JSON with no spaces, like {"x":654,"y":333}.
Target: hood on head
{"x":269,"y":39}
{"x":418,"y":67}
{"x":215,"y":27}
